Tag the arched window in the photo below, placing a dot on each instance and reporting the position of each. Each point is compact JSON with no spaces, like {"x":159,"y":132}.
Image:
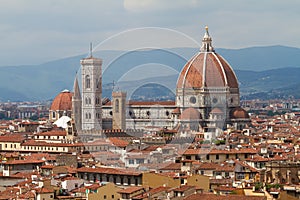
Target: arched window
{"x":90,"y":116}
{"x":117,"y":105}
{"x":98,"y":81}
{"x":87,"y":81}
{"x":88,"y":100}
{"x":86,"y":116}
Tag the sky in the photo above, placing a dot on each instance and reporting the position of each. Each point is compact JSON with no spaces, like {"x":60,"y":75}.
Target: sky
{"x":35,"y":31}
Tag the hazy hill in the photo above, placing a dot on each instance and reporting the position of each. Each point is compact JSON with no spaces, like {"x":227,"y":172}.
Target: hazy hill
{"x":260,"y":70}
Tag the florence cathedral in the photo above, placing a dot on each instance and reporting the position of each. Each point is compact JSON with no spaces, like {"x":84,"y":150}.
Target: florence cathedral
{"x":207,"y":99}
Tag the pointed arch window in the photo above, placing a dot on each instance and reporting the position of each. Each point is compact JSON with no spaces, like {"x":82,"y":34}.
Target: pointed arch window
{"x":87,"y":81}
{"x":88,"y":101}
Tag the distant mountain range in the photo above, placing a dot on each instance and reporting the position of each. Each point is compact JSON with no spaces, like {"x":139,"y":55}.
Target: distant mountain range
{"x":263,"y":72}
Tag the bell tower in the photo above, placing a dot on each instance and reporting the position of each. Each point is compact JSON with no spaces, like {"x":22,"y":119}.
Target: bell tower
{"x":91,"y":71}
{"x":119,"y":110}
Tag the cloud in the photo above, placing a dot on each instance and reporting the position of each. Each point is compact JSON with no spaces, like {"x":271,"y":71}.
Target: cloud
{"x":65,"y":27}
{"x":158,"y":5}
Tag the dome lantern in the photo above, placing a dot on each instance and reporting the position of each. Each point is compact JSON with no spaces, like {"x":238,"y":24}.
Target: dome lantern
{"x":207,"y":42}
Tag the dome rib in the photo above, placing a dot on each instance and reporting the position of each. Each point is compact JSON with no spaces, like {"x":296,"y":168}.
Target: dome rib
{"x":188,"y":69}
{"x":207,"y":69}
{"x":204,"y":69}
{"x":232,"y":80}
{"x":222,"y":68}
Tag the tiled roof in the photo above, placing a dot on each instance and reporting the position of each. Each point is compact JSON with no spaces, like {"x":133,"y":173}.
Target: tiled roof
{"x":145,"y":195}
{"x":43,"y":190}
{"x":172,"y":166}
{"x":118,"y":142}
{"x":183,"y":188}
{"x":217,"y":151}
{"x":130,"y":190}
{"x":222,"y":197}
{"x":53,"y":133}
{"x":63,"y":101}
{"x":22,"y":162}
{"x":48,"y":144}
{"x":12,"y":138}
{"x":207,"y":70}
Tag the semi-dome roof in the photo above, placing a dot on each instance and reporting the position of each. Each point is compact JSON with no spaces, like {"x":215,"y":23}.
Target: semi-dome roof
{"x":239,"y":113}
{"x":190,"y":114}
{"x":63,"y":101}
{"x":207,"y":69}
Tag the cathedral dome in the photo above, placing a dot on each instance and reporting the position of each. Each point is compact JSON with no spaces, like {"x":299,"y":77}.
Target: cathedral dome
{"x":239,"y":113}
{"x":63,"y":101}
{"x":207,"y":69}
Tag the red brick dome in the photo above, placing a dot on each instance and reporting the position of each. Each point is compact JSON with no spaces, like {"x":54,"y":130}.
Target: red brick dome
{"x":63,"y":101}
{"x":239,"y":113}
{"x":207,"y":69}
{"x":190,"y":114}
{"x":216,"y":111}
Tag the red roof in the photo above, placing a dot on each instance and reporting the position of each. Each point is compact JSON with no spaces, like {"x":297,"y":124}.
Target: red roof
{"x":118,"y":142}
{"x":12,"y":138}
{"x":217,"y":151}
{"x":190,"y":114}
{"x":63,"y":101}
{"x":222,"y":197}
{"x":131,"y":190}
{"x":22,"y":162}
{"x":207,"y":70}
{"x":53,"y":133}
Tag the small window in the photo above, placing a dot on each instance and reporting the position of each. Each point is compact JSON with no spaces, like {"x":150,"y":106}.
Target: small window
{"x":131,"y":161}
{"x":167,"y":113}
{"x":207,"y":157}
{"x":193,"y":100}
{"x":215,"y":100}
{"x":104,"y":197}
{"x":117,"y":105}
{"x":87,"y":81}
{"x":112,"y":196}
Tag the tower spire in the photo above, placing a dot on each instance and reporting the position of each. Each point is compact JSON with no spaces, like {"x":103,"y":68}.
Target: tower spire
{"x":206,"y":42}
{"x":76,"y":90}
